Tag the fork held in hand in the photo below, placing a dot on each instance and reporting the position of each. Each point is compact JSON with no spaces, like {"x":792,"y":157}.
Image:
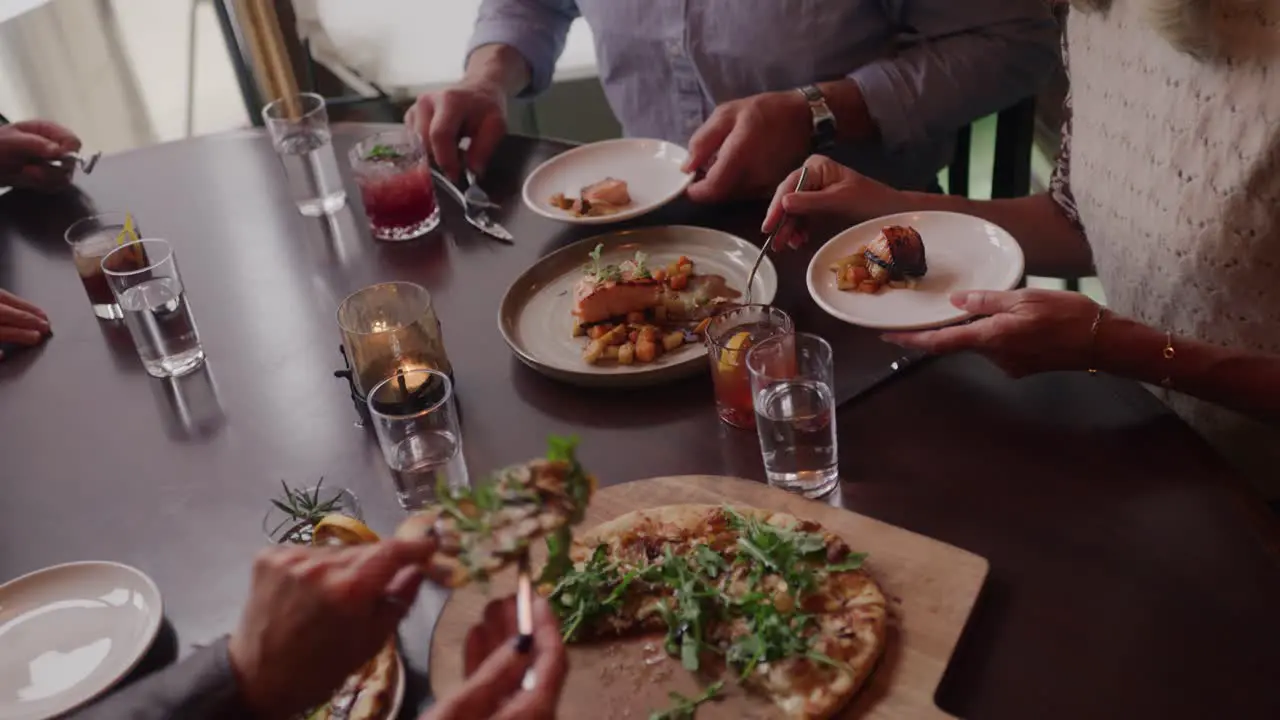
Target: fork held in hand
{"x":804,"y":172}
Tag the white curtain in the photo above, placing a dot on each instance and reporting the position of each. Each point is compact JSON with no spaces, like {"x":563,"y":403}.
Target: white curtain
{"x":65,"y":62}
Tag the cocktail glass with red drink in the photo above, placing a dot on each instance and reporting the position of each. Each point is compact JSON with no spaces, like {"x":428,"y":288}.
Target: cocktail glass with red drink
{"x":730,"y":334}
{"x":395,"y":183}
{"x":91,"y":239}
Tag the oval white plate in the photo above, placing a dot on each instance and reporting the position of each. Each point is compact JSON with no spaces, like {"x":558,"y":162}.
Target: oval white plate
{"x":70,"y":632}
{"x":651,"y":169}
{"x":963,"y":252}
{"x":534,"y":317}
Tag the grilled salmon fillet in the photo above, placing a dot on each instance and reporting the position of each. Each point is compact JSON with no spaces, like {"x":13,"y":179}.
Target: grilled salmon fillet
{"x":598,"y":301}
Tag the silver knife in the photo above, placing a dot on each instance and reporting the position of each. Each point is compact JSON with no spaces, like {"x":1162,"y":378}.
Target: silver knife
{"x":476,"y":215}
{"x":891,"y":371}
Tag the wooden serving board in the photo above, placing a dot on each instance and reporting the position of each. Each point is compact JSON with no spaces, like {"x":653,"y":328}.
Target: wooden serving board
{"x":931,"y":587}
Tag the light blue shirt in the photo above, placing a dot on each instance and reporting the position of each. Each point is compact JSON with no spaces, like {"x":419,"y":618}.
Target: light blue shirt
{"x":925,"y":67}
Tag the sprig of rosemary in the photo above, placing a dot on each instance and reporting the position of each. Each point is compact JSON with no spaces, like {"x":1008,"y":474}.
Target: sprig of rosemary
{"x":303,"y":508}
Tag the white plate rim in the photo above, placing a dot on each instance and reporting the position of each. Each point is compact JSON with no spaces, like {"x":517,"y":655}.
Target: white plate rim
{"x":153,"y":629}
{"x":628,"y":214}
{"x":1011,"y":280}
{"x":648,"y":377}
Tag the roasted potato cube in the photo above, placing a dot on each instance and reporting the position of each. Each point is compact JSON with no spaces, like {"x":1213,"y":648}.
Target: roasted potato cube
{"x":610,"y":353}
{"x":679,"y":282}
{"x":626,"y":354}
{"x":593,"y":352}
{"x":595,"y":332}
{"x":578,"y":330}
{"x":672,"y":340}
{"x":646,"y":351}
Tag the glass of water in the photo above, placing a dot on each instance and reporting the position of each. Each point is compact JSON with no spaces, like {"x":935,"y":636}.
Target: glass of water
{"x":299,"y":127}
{"x":155,"y":308}
{"x":416,"y":419}
{"x":794,"y":399}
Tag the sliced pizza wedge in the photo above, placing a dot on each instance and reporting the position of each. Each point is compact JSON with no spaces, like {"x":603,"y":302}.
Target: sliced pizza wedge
{"x":483,"y":529}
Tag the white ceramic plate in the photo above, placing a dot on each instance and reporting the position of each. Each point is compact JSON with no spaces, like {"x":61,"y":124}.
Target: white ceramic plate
{"x":963,"y":253}
{"x":651,"y":169}
{"x":397,"y":699}
{"x":70,"y":632}
{"x":535,"y":319}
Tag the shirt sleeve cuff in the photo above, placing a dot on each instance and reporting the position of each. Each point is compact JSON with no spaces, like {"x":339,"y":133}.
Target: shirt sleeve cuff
{"x":888,"y":97}
{"x":537,"y":49}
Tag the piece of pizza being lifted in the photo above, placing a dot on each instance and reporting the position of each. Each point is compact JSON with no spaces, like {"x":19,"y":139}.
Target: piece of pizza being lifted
{"x":483,"y":529}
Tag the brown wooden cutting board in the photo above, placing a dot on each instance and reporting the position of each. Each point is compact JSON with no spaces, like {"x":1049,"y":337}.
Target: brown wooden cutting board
{"x":931,"y":588}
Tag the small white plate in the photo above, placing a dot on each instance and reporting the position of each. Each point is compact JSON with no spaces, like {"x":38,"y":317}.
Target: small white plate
{"x":70,"y":632}
{"x":963,"y":253}
{"x":651,"y":169}
{"x":534,"y":317}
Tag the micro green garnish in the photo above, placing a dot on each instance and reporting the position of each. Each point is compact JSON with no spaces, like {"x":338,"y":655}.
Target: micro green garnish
{"x":685,"y":707}
{"x":383,"y":152}
{"x":578,"y":485}
{"x":598,"y":270}
{"x":584,"y":595}
{"x":637,"y":267}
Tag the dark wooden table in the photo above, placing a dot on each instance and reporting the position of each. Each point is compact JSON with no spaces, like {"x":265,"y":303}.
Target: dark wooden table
{"x":1129,"y":576}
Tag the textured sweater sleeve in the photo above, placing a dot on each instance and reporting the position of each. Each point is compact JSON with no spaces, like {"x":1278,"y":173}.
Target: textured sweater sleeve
{"x":201,"y":687}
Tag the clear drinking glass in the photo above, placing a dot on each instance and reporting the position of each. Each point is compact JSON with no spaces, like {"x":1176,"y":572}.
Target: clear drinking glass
{"x":155,"y":307}
{"x":395,"y":184}
{"x":730,"y":334}
{"x":794,"y":398}
{"x":299,"y":127}
{"x":91,"y":239}
{"x":416,"y":419}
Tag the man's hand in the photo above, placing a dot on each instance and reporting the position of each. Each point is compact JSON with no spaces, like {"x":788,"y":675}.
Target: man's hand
{"x":315,"y":615}
{"x":25,"y":151}
{"x":747,"y":146}
{"x":495,"y":668}
{"x":21,"y":323}
{"x":474,"y":108}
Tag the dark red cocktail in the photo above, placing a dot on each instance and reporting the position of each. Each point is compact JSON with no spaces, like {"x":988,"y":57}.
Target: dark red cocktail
{"x":395,"y":184}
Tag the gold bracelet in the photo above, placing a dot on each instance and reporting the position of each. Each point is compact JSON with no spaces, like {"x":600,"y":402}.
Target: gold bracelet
{"x":1093,"y":338}
{"x":1169,"y":354}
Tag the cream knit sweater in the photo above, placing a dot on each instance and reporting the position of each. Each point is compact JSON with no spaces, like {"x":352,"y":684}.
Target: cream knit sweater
{"x":1175,"y":171}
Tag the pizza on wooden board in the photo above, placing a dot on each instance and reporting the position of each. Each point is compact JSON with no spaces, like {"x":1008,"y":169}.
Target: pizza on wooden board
{"x":781,"y":603}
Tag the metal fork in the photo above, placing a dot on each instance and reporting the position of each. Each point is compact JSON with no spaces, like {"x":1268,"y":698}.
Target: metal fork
{"x":475,"y":196}
{"x":476,"y":215}
{"x":86,"y":164}
{"x":804,"y":172}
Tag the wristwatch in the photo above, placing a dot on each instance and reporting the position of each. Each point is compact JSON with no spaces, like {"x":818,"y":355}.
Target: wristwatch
{"x":824,"y":121}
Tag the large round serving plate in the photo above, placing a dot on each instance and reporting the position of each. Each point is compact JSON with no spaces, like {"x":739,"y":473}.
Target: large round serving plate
{"x":534,"y":317}
{"x":964,"y":253}
{"x":651,"y":169}
{"x":70,"y":632}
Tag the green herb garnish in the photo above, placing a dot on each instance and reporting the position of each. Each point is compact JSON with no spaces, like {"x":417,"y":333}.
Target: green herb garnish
{"x":598,"y":270}
{"x":686,"y":707}
{"x":383,"y":152}
{"x":303,"y":508}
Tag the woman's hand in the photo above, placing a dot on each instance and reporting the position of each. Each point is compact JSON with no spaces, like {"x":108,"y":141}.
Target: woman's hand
{"x":495,"y":668}
{"x":1026,"y":331}
{"x":315,"y":615}
{"x":830,"y":189}
{"x":25,"y":151}
{"x":21,"y":323}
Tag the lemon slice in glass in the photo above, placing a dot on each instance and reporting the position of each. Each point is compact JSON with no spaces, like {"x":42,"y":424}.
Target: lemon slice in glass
{"x":338,"y":529}
{"x":734,"y":350}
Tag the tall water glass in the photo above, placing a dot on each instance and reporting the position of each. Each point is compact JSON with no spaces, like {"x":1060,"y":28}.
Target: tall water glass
{"x":91,"y":239}
{"x":794,"y":398}
{"x":416,"y":419}
{"x":155,"y":308}
{"x":299,"y":127}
